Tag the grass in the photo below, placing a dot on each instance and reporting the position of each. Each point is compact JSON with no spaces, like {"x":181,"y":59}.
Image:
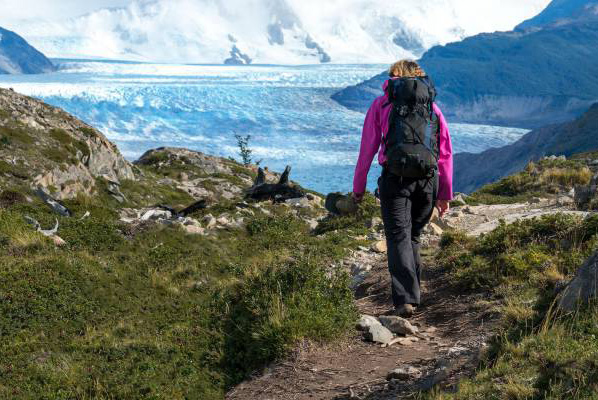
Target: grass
{"x":158,"y":313}
{"x":547,"y":177}
{"x":538,"y":353}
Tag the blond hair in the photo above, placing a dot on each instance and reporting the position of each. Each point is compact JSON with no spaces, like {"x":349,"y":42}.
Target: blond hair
{"x":406,"y":68}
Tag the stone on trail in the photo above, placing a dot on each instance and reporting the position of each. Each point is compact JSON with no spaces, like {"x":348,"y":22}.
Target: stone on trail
{"x":583,"y":287}
{"x":378,"y":334}
{"x":434,"y":229}
{"x":194,"y":230}
{"x":398,"y":325}
{"x":404,"y":374}
{"x":379,"y":247}
{"x":366,"y":321}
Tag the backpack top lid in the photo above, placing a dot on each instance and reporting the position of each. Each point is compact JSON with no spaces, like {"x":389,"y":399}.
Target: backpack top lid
{"x":411,"y":91}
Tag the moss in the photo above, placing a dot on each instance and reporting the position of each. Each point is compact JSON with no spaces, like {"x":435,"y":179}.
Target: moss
{"x":18,"y":171}
{"x":16,"y":134}
{"x":89,"y":132}
{"x":67,"y":142}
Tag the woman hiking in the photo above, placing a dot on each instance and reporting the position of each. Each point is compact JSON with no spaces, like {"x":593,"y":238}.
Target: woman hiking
{"x":409,"y":133}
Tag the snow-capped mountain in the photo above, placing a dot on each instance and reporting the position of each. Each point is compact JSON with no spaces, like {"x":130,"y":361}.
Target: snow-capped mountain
{"x":272,"y":31}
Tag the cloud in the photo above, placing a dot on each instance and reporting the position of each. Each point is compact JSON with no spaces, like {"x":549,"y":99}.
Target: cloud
{"x":268,"y":31}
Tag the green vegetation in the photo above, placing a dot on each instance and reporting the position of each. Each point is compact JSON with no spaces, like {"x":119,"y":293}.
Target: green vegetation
{"x":356,"y":224}
{"x":154,"y":312}
{"x":537,"y":179}
{"x":540,"y":353}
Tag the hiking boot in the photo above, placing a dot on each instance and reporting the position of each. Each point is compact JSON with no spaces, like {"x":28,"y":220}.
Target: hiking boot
{"x":405,"y":311}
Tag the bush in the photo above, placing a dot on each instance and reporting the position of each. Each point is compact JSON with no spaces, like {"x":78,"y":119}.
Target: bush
{"x":272,"y":310}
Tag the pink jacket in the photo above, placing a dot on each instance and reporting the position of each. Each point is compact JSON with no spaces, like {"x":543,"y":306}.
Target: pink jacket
{"x":376,"y":125}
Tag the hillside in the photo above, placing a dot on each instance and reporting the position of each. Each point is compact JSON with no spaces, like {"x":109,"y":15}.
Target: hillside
{"x":474,"y":170}
{"x":525,"y":78}
{"x":188,"y":276}
{"x":19,"y":57}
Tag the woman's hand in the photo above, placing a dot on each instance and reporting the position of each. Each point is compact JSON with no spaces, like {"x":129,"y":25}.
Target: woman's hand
{"x":443,"y":206}
{"x":357,"y":198}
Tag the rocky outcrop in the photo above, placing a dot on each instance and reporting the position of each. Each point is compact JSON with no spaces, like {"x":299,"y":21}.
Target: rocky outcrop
{"x":54,"y":150}
{"x":19,"y":57}
{"x":583,"y":288}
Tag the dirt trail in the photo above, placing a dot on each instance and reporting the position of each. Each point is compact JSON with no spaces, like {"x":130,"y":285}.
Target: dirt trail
{"x":461,"y":323}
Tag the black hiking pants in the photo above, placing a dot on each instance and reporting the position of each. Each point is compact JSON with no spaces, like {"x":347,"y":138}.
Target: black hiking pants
{"x":407,"y":206}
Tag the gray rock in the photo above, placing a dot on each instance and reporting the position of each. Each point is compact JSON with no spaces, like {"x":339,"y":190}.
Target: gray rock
{"x":398,"y":325}
{"x":300,"y":202}
{"x":374,"y":223}
{"x":583,"y":287}
{"x":155,"y":214}
{"x":378,"y":334}
{"x":366,"y":321}
{"x":404,"y":374}
{"x":210,"y":221}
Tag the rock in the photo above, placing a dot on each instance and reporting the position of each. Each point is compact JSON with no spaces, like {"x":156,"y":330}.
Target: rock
{"x":468,"y":210}
{"x":366,"y":321}
{"x":404,"y":374}
{"x":378,"y":334}
{"x":460,"y":200}
{"x":194,"y":230}
{"x":300,"y":202}
{"x":377,"y":236}
{"x":398,"y":325}
{"x":564,"y":201}
{"x":373,"y":223}
{"x":379,"y":247}
{"x":434,"y":229}
{"x":210,"y":221}
{"x":155,"y":214}
{"x":583,"y":287}
{"x":183,"y":177}
{"x":58,"y":241}
{"x":223,"y":221}
{"x":313,"y":224}
{"x":535,"y":200}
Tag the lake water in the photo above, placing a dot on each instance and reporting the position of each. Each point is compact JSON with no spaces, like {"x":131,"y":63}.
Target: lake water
{"x":287,"y":110}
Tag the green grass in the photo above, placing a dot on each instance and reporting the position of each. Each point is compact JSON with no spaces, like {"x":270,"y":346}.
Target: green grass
{"x":157,"y":313}
{"x":547,"y":177}
{"x":538,"y":353}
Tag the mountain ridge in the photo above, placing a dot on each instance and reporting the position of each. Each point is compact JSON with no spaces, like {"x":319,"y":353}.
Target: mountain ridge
{"x":19,"y":57}
{"x":472,"y":171}
{"x":542,"y":75}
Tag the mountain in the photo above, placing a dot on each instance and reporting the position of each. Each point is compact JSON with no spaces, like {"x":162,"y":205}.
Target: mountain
{"x":559,"y":11}
{"x":522,"y":78}
{"x":18,"y":57}
{"x":270,"y":31}
{"x":474,"y":170}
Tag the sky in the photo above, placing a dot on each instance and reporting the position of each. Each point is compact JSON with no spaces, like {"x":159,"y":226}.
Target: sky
{"x":204,"y":31}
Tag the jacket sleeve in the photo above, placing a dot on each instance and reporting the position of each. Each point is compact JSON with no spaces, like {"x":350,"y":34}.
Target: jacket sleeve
{"x":370,"y":143}
{"x":445,"y":159}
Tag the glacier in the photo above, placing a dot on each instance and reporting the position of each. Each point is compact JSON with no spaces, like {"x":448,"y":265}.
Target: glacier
{"x":268,"y":31}
{"x":286,"y":109}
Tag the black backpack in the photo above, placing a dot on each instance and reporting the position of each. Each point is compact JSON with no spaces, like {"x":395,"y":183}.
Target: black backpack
{"x":411,"y":144}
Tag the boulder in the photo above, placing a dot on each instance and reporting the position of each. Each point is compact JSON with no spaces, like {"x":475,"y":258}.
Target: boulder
{"x":373,"y":223}
{"x":583,"y":287}
{"x":366,"y":321}
{"x":398,"y":325}
{"x":378,"y":334}
{"x":299,"y":202}
{"x":210,"y":221}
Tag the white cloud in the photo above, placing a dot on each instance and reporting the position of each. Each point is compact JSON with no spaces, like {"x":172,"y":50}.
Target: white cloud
{"x":199,"y":30}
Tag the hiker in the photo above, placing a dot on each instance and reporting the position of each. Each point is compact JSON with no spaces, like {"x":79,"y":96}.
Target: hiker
{"x":415,"y":152}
